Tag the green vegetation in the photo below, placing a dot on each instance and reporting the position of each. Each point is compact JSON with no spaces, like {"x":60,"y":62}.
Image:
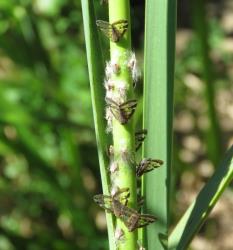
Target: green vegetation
{"x":54,"y":149}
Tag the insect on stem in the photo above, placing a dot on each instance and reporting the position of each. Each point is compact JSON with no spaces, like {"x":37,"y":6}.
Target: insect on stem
{"x":147,"y":165}
{"x":117,"y":204}
{"x":140,"y":136}
{"x":114,"y":31}
{"x":122,"y":112}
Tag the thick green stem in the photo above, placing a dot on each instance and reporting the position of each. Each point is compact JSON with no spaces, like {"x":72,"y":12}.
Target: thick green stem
{"x":123,"y":135}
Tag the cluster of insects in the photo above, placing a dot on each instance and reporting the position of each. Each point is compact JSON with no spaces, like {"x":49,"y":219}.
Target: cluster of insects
{"x":122,"y":110}
{"x":117,"y":204}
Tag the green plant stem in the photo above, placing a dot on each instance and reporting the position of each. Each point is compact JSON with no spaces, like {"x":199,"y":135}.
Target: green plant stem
{"x":213,"y":132}
{"x":123,"y":135}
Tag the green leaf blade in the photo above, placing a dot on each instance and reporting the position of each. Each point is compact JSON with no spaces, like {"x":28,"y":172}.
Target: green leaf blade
{"x":158,"y":112}
{"x":96,"y":77}
{"x":198,"y":211}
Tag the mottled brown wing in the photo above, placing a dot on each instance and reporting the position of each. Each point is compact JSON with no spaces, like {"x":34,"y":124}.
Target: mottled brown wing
{"x":122,"y":112}
{"x":147,"y":165}
{"x":115,"y":110}
{"x":127,"y":110}
{"x":104,"y":201}
{"x":145,"y":219}
{"x":133,"y":220}
{"x":128,"y":214}
{"x":140,"y":136}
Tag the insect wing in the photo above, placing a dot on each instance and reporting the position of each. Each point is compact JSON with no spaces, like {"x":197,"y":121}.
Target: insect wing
{"x":111,"y":103}
{"x":140,"y":201}
{"x":154,"y":163}
{"x":129,"y":105}
{"x":115,"y":110}
{"x":127,"y":214}
{"x":140,"y":136}
{"x":128,"y":157}
{"x":138,"y":145}
{"x":132,"y":222}
{"x":129,"y":217}
{"x":113,"y":31}
{"x":104,"y":201}
{"x":147,"y":165}
{"x":127,"y":109}
{"x":145,"y":219}
{"x":122,"y":112}
{"x":117,"y":114}
{"x":105,"y":27}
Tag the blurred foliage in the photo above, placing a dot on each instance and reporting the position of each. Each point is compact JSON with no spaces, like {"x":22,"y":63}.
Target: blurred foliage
{"x":46,"y":129}
{"x":48,"y":159}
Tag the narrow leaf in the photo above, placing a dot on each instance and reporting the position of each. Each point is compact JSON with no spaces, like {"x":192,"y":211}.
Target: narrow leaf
{"x":96,"y":75}
{"x":198,"y":211}
{"x":158,"y":109}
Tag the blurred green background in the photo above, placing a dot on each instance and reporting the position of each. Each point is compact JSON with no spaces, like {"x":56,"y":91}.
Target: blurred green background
{"x":48,"y":159}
